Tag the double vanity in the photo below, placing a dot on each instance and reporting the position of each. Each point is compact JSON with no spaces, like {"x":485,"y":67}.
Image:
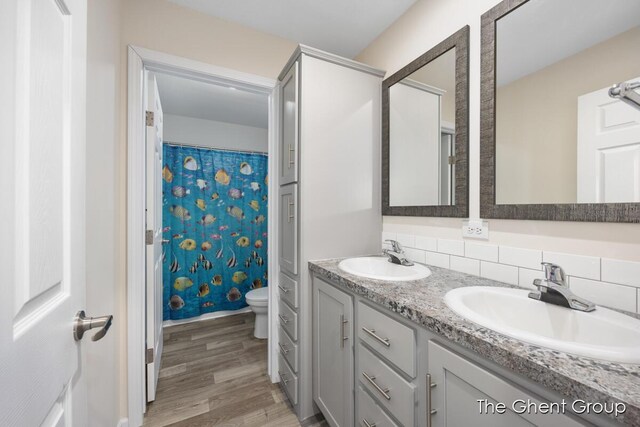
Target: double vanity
{"x":397,"y":345}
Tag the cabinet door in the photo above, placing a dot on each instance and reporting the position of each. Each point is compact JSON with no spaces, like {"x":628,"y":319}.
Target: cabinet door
{"x":289,"y":135}
{"x":333,"y":353}
{"x":289,"y":228}
{"x":459,"y":386}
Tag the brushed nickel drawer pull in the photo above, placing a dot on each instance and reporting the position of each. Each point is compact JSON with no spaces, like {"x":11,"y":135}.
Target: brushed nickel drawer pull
{"x":283,"y":377}
{"x":430,"y":411}
{"x":384,"y":392}
{"x":372,"y":332}
{"x":367,"y":423}
{"x":291,"y":150}
{"x":283,"y":318}
{"x":283,"y":348}
{"x":289,"y":213}
{"x":285,"y":290}
{"x":343,"y":338}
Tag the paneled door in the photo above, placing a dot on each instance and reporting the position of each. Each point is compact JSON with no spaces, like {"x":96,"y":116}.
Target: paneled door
{"x":289,"y":229}
{"x":608,"y":149}
{"x":290,"y":137}
{"x":154,"y":234}
{"x":42,"y":218}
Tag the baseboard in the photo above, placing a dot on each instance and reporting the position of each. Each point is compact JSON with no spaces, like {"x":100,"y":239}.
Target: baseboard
{"x":124,"y":422}
{"x":207,"y":316}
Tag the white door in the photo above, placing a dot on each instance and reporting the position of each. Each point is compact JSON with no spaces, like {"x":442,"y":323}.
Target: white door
{"x":608,"y":149}
{"x":154,"y":235}
{"x":42,"y":219}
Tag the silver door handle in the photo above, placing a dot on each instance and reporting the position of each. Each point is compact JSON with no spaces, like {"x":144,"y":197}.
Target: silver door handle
{"x":82,"y":324}
{"x":367,"y":423}
{"x":283,"y":349}
{"x":283,"y":378}
{"x":283,"y":318}
{"x":372,"y":332}
{"x":284,"y":290}
{"x":289,"y":214}
{"x":343,"y":338}
{"x":382,"y":391}
{"x":430,"y":410}
{"x":291,"y":150}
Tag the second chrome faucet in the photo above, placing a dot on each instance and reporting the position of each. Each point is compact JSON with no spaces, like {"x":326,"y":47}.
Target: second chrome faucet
{"x":554,"y":290}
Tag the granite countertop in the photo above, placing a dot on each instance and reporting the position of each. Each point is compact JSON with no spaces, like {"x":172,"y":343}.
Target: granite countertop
{"x":421,"y":301}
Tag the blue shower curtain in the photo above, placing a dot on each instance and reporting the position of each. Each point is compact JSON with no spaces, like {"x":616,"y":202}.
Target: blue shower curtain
{"x":215,"y":229}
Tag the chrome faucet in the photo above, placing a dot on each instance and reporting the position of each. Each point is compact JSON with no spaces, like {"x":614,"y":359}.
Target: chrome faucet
{"x":396,"y":254}
{"x":554,"y":290}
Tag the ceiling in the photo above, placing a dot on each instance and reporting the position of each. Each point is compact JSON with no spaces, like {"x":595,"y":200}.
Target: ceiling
{"x":336,"y":26}
{"x":200,"y":100}
{"x":543,"y":32}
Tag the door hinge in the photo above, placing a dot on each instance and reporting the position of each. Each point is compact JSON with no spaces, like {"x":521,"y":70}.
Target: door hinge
{"x":149,"y":356}
{"x":149,"y":118}
{"x":148,"y":237}
{"x":452,"y":160}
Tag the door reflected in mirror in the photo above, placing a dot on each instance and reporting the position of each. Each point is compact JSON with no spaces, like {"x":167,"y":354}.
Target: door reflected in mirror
{"x":422,"y":110}
{"x":560,"y":135}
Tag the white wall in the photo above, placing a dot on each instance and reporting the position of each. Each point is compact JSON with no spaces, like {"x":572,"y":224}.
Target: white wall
{"x":103,"y":367}
{"x":424,"y":25}
{"x":208,"y":133}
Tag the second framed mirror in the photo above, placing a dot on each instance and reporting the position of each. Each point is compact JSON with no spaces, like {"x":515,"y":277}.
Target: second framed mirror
{"x":425,"y":142}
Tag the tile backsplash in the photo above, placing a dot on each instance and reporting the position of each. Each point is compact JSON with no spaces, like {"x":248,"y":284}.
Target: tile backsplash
{"x":608,"y":282}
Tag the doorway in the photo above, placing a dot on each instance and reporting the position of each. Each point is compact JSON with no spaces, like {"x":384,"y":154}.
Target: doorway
{"x":202,"y":207}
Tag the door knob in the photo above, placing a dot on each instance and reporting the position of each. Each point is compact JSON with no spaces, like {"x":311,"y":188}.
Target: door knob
{"x":82,"y":324}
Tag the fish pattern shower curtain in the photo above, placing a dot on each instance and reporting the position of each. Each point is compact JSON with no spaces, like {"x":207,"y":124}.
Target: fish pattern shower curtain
{"x":215,"y":229}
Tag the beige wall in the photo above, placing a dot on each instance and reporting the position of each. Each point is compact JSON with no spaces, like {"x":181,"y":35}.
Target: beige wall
{"x":104,"y":260}
{"x":425,"y":24}
{"x":166,"y":27}
{"x":536,"y":121}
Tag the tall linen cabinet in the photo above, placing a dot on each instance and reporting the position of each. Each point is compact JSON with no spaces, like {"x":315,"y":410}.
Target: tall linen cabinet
{"x":329,"y":192}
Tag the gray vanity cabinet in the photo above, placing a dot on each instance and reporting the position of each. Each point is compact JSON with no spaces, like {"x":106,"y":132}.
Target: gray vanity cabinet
{"x":333,"y":353}
{"x":289,"y":228}
{"x":460,"y":383}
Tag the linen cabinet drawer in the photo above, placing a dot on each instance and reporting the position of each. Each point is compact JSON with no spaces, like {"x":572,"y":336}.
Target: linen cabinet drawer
{"x":288,"y":289}
{"x":390,"y":338}
{"x":288,"y":379}
{"x":288,"y":320}
{"x":369,"y":413}
{"x":288,"y":349}
{"x":394,"y":393}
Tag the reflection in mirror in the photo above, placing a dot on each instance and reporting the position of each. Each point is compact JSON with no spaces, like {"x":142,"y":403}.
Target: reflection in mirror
{"x":422,"y":135}
{"x":561,"y":136}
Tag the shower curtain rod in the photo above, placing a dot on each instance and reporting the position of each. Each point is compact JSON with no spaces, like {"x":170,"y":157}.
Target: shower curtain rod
{"x":176,"y":144}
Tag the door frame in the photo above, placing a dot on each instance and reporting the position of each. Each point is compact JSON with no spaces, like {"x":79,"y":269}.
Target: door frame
{"x":139,"y":60}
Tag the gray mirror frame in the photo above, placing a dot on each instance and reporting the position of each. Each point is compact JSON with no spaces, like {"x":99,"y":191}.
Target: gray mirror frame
{"x":460,"y":41}
{"x":588,"y":212}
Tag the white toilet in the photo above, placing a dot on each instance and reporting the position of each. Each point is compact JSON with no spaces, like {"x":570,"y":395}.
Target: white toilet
{"x":258,"y":300}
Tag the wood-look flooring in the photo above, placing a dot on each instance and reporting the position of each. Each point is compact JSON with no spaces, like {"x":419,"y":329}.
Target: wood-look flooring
{"x":214,"y":373}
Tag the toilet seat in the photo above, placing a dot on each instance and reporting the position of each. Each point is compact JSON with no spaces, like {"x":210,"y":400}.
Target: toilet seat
{"x":258,"y":297}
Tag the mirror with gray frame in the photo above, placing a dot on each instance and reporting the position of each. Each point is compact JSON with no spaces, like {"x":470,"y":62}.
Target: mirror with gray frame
{"x":560,"y":118}
{"x":425,"y":133}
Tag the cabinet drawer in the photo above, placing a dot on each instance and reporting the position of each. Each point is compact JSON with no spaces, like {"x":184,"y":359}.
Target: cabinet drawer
{"x":369,"y":411}
{"x":288,"y":320}
{"x":288,"y":379}
{"x":392,"y":391}
{"x":288,"y":349}
{"x":390,"y":338}
{"x":288,"y":289}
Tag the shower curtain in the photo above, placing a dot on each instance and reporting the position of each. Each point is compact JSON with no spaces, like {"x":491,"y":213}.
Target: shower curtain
{"x":214,"y":229}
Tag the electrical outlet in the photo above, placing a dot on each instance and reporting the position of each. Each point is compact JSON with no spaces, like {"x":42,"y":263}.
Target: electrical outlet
{"x":475,"y":229}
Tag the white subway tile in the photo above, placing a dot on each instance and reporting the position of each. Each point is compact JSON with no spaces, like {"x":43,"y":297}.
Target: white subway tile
{"x":526,"y":277}
{"x":437,"y":259}
{"x":426,"y":243}
{"x":452,"y":247}
{"x":604,"y":293}
{"x":481,"y":251}
{"x":415,"y":255}
{"x":388,"y":236}
{"x":587,"y":267}
{"x":499,"y":272}
{"x":618,"y":271}
{"x":528,"y":258}
{"x":465,"y":265}
{"x":408,"y":240}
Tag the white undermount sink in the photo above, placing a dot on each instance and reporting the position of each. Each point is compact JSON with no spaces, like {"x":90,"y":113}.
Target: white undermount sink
{"x":381,"y":269}
{"x":601,"y":334}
